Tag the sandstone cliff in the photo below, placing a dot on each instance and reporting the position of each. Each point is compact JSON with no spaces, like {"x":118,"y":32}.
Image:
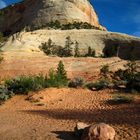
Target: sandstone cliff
{"x":101,"y":41}
{"x":40,"y":12}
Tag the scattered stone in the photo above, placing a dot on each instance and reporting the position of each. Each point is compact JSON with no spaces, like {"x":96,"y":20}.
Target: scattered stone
{"x":99,"y":131}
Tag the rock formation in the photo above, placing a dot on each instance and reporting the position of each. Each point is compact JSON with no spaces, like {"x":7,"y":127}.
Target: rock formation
{"x":39,"y":12}
{"x":127,"y":46}
{"x":99,"y":131}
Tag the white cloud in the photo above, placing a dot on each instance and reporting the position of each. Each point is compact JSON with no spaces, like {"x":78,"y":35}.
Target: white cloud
{"x":2,"y":4}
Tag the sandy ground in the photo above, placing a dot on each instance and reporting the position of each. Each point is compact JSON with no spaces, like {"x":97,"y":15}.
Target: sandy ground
{"x":60,"y":111}
{"x":62,"y":108}
{"x":25,"y":63}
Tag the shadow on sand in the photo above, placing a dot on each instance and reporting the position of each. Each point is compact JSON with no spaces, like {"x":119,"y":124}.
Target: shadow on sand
{"x":122,"y":115}
{"x":66,"y":135}
{"x":129,"y":115}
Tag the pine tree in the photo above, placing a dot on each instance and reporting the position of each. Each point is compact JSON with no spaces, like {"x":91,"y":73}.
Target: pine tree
{"x":67,"y":49}
{"x":57,"y":78}
{"x":89,"y":51}
{"x":50,"y":45}
{"x":61,"y":70}
{"x":77,"y":53}
{"x":61,"y":75}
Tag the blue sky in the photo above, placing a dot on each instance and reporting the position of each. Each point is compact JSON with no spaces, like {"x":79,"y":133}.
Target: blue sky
{"x":117,"y":15}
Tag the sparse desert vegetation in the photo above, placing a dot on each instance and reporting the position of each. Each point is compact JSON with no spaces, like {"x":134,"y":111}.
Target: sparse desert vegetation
{"x":129,"y":79}
{"x":65,"y":92}
{"x":71,"y":48}
{"x":57,"y":25}
{"x":61,"y":68}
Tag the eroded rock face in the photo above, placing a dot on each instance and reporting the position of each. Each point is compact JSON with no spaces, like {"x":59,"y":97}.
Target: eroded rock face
{"x":99,"y":131}
{"x":126,"y":47}
{"x":40,"y":12}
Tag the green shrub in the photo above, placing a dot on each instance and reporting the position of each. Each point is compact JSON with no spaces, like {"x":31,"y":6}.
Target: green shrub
{"x":121,"y":99}
{"x":119,"y":74}
{"x":50,"y":48}
{"x":47,"y":47}
{"x":57,"y":25}
{"x":5,"y":94}
{"x":130,"y":76}
{"x":54,"y":24}
{"x":58,"y":78}
{"x":24,"y":84}
{"x":120,"y":83}
{"x":78,"y":25}
{"x":90,"y":85}
{"x":134,"y":82}
{"x":99,"y":85}
{"x":76,"y":82}
{"x":51,"y":80}
{"x":104,"y":70}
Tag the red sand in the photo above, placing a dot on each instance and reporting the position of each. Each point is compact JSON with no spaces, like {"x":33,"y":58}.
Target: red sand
{"x":60,"y":109}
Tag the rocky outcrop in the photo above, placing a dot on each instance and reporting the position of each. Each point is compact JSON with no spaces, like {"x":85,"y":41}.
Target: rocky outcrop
{"x":99,"y":131}
{"x":123,"y":46}
{"x":39,"y":12}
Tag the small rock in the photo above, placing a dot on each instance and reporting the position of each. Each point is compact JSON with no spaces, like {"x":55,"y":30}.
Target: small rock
{"x":99,"y":131}
{"x":40,"y":104}
{"x":93,"y":89}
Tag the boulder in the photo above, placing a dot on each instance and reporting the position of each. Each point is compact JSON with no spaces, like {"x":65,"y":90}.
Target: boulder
{"x":99,"y":131}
